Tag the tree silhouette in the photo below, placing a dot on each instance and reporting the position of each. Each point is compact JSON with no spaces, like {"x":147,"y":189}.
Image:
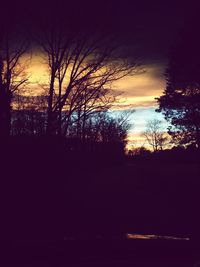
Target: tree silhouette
{"x":12,"y":77}
{"x":180,"y":102}
{"x":81,"y":68}
{"x":154,"y":135}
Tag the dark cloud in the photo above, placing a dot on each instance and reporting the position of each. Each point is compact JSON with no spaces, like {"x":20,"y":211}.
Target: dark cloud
{"x":148,"y":28}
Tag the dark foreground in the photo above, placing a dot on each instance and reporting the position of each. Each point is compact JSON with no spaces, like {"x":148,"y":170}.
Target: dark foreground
{"x":101,"y":253}
{"x":85,"y":202}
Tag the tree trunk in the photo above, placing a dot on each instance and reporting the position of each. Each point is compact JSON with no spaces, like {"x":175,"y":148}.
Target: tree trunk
{"x":60,"y":109}
{"x":49,"y":129}
{"x":5,"y":113}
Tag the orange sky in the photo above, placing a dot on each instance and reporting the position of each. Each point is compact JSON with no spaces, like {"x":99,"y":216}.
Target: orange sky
{"x":141,"y":89}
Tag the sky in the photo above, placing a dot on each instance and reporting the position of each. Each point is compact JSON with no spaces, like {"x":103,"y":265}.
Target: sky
{"x":145,"y":29}
{"x":137,"y":92}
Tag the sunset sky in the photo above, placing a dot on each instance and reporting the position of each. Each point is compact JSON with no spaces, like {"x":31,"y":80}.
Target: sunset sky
{"x":138,"y":92}
{"x":148,"y":29}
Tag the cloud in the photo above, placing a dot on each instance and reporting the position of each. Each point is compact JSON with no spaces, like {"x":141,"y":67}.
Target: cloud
{"x":141,"y":90}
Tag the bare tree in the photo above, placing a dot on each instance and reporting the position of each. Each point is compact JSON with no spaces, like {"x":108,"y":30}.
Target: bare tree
{"x":155,"y":135}
{"x":12,"y":77}
{"x":78,"y":63}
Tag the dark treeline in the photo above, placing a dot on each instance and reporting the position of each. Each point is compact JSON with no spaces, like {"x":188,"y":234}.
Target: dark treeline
{"x":176,"y":154}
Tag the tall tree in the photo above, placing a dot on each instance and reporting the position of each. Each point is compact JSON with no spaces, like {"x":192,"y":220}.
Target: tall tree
{"x":12,"y":77}
{"x":78,"y":62}
{"x":180,"y":102}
